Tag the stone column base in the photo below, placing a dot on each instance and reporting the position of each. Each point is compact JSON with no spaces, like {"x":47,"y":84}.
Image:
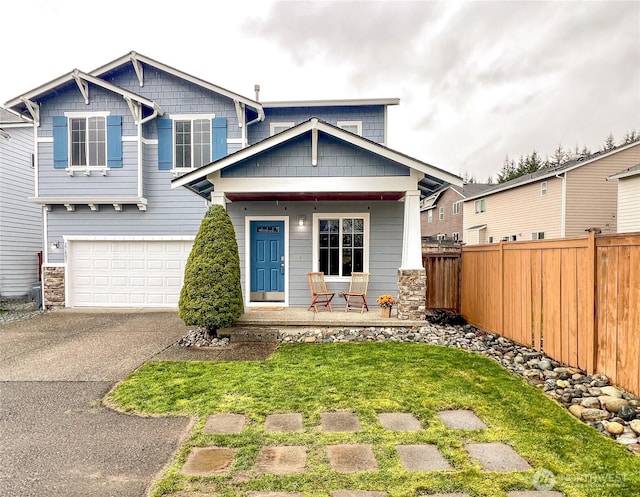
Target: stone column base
{"x":412,"y":293}
{"x":53,"y":281}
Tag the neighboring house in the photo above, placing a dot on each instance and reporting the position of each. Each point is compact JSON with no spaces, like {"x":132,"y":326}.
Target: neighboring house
{"x":628,"y":199}
{"x":20,"y":220}
{"x":557,"y":202}
{"x":441,"y":213}
{"x":304,"y":190}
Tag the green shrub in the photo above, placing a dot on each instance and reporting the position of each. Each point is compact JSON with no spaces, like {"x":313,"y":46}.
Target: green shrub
{"x":211,"y":295}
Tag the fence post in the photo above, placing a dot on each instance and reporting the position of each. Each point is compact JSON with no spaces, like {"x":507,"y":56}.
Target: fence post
{"x":501,"y":303}
{"x":592,"y":285}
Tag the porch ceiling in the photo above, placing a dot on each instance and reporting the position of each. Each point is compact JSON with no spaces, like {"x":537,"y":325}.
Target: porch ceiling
{"x":311,"y":196}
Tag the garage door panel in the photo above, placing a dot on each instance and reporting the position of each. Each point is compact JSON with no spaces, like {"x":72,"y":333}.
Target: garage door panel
{"x":127,"y":273}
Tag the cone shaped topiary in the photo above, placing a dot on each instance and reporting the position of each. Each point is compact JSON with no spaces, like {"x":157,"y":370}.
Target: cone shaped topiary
{"x":211,"y":295}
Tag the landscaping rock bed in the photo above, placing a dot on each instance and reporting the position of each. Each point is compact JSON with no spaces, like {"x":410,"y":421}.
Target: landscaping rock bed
{"x":590,"y":398}
{"x":16,"y":310}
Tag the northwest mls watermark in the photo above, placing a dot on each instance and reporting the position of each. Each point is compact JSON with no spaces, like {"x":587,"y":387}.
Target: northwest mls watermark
{"x":545,"y":480}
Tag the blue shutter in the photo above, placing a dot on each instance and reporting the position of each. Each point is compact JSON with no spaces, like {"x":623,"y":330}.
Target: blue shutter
{"x":60,"y":142}
{"x":114,"y":141}
{"x":219,"y":137}
{"x":165,"y":143}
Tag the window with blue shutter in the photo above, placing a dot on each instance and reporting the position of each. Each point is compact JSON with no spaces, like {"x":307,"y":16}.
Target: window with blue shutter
{"x":89,"y":141}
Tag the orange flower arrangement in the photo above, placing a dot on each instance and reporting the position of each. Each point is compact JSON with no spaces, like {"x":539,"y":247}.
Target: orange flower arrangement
{"x":386,"y":300}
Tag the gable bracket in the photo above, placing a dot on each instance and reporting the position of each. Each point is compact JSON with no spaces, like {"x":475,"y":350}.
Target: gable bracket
{"x":83,"y":86}
{"x":239,"y":112}
{"x":314,"y":147}
{"x":137,"y":67}
{"x":135,"y":108}
{"x":33,"y":108}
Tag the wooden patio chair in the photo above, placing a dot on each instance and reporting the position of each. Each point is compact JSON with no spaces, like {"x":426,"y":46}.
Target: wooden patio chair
{"x":357,"y":294}
{"x":320,"y":296}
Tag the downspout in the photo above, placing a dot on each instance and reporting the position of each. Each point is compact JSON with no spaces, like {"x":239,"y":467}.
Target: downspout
{"x":153,"y":115}
{"x":563,"y":219}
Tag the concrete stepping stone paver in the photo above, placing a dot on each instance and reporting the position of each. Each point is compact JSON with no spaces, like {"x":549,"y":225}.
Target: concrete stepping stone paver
{"x":224,"y":424}
{"x":282,"y":460}
{"x":351,"y":458}
{"x":462,"y":419}
{"x":535,"y":493}
{"x":340,"y":421}
{"x":208,"y":461}
{"x":357,"y":493}
{"x":422,"y":458}
{"x":399,"y":421}
{"x":497,"y":457}
{"x":288,"y":422}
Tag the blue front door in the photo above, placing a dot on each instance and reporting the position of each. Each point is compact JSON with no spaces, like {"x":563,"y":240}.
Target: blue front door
{"x":267,"y":261}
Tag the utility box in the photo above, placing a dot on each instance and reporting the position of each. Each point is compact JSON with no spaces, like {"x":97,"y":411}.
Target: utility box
{"x":36,"y":295}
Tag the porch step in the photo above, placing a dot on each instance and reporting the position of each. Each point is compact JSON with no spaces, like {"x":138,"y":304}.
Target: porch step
{"x":250,"y":334}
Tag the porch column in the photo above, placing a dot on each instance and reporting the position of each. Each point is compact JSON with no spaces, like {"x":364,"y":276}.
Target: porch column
{"x":412,"y":278}
{"x":219,"y":198}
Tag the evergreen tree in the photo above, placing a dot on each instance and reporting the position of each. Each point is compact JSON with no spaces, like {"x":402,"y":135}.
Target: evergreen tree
{"x":507,"y":171}
{"x":631,"y":136}
{"x":609,"y":143}
{"x":560,"y":156}
{"x":211,"y":296}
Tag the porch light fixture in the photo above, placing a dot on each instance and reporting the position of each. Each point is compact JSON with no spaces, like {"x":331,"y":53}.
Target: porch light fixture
{"x":54,"y":245}
{"x":302,"y":220}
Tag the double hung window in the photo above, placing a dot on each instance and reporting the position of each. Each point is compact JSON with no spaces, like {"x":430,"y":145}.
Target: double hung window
{"x":192,"y":141}
{"x":88,"y":141}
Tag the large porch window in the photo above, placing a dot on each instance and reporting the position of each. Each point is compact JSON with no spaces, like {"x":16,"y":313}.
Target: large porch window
{"x":341,"y":243}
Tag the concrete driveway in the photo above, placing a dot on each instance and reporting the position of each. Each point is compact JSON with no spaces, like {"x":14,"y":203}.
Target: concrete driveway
{"x":56,"y":439}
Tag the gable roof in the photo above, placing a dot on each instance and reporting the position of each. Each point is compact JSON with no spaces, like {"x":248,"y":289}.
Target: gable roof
{"x":549,"y":172}
{"x":464,"y":191}
{"x":197,"y":180}
{"x":630,"y":171}
{"x":20,"y":103}
{"x":135,"y":57}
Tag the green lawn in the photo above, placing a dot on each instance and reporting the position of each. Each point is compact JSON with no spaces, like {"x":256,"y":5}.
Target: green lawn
{"x":368,"y":379}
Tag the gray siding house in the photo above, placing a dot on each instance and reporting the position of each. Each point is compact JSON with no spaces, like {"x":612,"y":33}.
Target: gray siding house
{"x":20,"y":220}
{"x":128,"y":157}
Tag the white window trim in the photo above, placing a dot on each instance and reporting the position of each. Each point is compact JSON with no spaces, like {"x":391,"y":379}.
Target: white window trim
{"x":176,"y":171}
{"x":274,"y":125}
{"x":357,"y":124}
{"x":441,"y":213}
{"x":441,"y":236}
{"x":455,"y":236}
{"x":316,"y":240}
{"x":430,"y":216}
{"x":543,"y":189}
{"x":85,"y":169}
{"x":535,"y":235}
{"x":480,"y":206}
{"x":457,"y":204}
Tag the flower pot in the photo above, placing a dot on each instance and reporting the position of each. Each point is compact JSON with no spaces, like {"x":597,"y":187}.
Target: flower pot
{"x":386,"y":312}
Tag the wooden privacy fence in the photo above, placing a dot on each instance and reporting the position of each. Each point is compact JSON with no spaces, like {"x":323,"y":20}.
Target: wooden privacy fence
{"x":576,"y":299}
{"x":443,"y":278}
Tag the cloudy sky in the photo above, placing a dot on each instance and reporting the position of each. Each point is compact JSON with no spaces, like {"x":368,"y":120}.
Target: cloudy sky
{"x":477,"y":80}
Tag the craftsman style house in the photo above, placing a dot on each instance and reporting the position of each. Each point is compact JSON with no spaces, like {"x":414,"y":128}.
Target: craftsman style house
{"x":557,"y":202}
{"x":128,"y":157}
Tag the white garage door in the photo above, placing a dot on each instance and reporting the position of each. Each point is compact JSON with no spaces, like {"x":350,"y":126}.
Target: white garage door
{"x":122,"y":273}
